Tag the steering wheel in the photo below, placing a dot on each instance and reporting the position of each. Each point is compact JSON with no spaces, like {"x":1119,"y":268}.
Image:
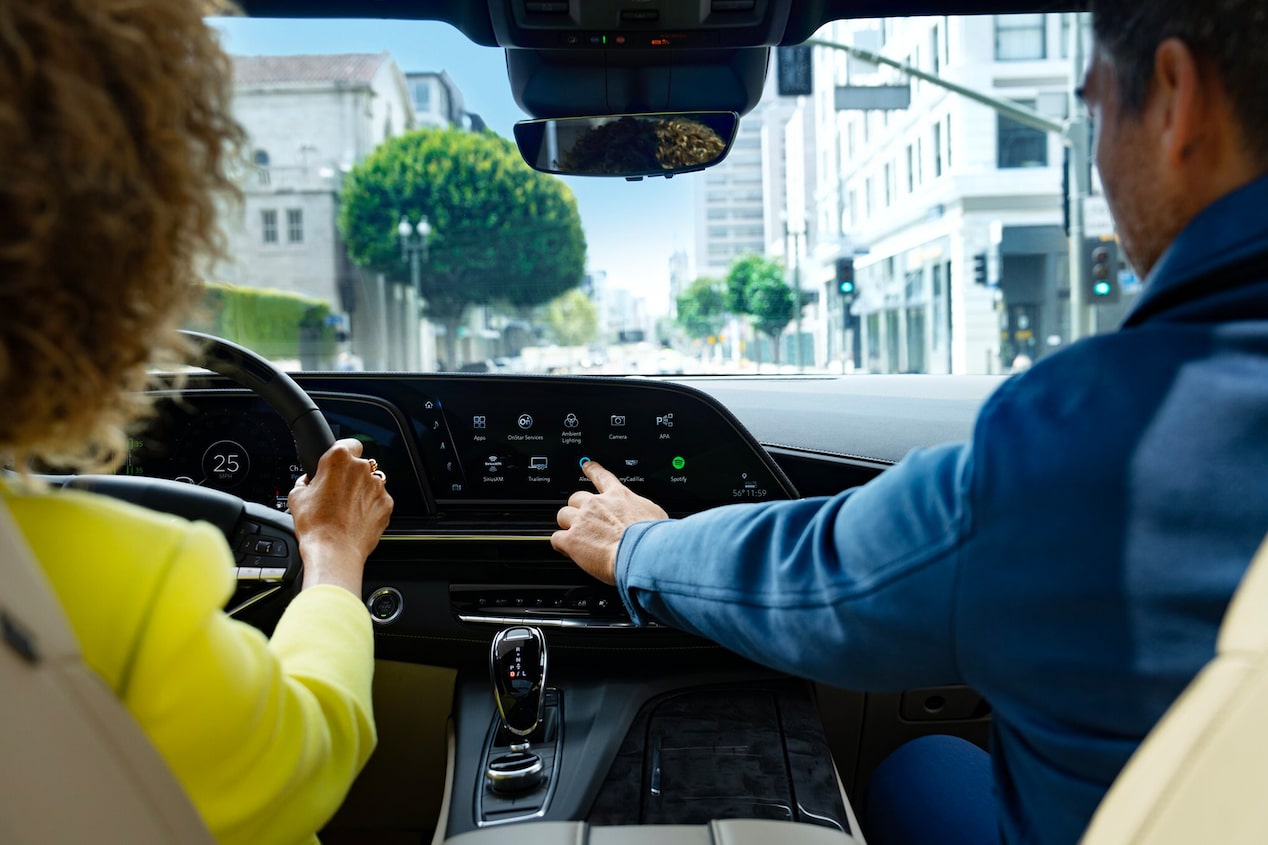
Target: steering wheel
{"x":262,"y":539}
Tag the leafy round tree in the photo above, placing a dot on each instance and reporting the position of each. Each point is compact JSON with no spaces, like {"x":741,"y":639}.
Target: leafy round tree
{"x":501,"y":231}
{"x":702,"y":308}
{"x":573,"y":319}
{"x":755,"y":286}
{"x":774,"y":305}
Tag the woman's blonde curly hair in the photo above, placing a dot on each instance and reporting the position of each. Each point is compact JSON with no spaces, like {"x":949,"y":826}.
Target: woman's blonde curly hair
{"x":115,"y":136}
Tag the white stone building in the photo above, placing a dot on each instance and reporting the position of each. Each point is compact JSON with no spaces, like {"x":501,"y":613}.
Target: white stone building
{"x":309,"y":119}
{"x":912,"y":196}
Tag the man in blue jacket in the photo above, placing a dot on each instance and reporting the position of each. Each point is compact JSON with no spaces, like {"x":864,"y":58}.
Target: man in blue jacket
{"x":1074,"y":560}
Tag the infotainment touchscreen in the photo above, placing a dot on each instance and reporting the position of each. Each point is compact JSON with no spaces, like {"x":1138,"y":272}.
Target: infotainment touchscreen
{"x":523,"y":441}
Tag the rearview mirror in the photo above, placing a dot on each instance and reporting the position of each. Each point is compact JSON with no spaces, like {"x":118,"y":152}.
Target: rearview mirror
{"x":629,"y":145}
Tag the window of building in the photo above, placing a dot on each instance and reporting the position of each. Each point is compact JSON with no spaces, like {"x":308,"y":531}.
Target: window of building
{"x":268,"y":225}
{"x":1020,"y":37}
{"x":260,"y":158}
{"x":936,"y":52}
{"x":937,"y":150}
{"x":295,"y":225}
{"x":911,"y":168}
{"x":889,"y":181}
{"x":1066,"y":20}
{"x":854,"y":207}
{"x":1020,"y":145}
{"x":948,"y":131}
{"x":420,"y":93}
{"x":920,"y":161}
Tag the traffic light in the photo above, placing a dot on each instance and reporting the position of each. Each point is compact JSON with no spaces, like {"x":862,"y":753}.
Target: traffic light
{"x":1101,"y":263}
{"x":845,"y":276}
{"x":846,"y":286}
{"x":979,"y":269}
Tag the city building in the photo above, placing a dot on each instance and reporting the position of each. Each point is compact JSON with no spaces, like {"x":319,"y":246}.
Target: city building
{"x":438,"y":102}
{"x":921,"y":204}
{"x":309,"y":119}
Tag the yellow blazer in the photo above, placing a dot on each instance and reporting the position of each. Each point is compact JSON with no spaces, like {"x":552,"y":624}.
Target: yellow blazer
{"x":266,"y":735}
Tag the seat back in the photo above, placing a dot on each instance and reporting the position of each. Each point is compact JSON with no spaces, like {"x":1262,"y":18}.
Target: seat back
{"x":74,"y":765}
{"x":1200,"y":774}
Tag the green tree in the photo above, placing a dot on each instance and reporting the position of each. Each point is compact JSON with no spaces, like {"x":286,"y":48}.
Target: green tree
{"x":745,"y":275}
{"x":702,"y":308}
{"x":501,"y":232}
{"x":774,"y":304}
{"x":573,"y":319}
{"x":755,"y":287}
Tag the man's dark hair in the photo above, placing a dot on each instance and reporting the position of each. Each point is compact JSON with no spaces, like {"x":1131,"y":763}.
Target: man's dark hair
{"x":1230,"y":36}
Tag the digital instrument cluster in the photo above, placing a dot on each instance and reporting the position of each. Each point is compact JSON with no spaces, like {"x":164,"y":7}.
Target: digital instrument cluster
{"x":234,"y":442}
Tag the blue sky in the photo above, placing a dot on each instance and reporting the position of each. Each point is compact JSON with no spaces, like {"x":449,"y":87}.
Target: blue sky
{"x":631,"y":228}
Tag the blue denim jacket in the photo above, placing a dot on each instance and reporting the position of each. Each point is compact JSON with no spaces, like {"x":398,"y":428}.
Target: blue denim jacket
{"x":1072,"y":563}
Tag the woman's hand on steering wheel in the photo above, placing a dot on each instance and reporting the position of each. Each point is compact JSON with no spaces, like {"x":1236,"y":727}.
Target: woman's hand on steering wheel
{"x":339,"y":516}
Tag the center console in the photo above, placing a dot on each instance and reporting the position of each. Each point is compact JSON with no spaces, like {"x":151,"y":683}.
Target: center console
{"x":636,"y":747}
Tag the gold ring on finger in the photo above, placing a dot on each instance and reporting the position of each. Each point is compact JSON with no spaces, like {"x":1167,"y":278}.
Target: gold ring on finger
{"x":374,"y":465}
{"x":379,"y":474}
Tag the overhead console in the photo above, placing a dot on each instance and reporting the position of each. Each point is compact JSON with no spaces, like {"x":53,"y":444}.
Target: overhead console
{"x":618,"y":24}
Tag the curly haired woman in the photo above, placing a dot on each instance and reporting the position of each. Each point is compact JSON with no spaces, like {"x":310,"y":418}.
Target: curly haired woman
{"x":114,"y":139}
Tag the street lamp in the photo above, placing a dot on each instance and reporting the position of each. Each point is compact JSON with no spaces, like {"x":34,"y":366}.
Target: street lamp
{"x":414,"y":248}
{"x":413,"y":239}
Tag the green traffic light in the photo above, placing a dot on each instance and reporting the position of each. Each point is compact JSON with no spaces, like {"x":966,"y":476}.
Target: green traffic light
{"x":847,"y":287}
{"x":1101,"y":288}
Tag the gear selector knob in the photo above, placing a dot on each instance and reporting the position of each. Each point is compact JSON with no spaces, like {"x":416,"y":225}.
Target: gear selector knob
{"x":517,"y":663}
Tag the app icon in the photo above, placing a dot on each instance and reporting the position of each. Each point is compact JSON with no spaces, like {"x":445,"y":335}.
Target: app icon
{"x":525,"y":421}
{"x":571,"y":421}
{"x":678,"y":462}
{"x":478,"y":422}
{"x":618,"y":420}
{"x":538,"y":462}
{"x":667,"y":421}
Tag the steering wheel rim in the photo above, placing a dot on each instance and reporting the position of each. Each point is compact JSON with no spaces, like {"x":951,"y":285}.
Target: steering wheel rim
{"x":247,"y":369}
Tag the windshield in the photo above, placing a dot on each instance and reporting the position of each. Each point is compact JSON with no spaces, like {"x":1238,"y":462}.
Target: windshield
{"x":867,"y":219}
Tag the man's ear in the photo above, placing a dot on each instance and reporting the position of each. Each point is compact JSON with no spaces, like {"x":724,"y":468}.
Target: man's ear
{"x":1178,"y":102}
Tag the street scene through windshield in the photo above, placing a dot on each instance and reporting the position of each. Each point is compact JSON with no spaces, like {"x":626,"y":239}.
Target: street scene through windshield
{"x":909,"y":196}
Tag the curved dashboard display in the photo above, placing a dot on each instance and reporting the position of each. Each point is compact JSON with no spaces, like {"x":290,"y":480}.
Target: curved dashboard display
{"x":523,"y":441}
{"x":500,"y":453}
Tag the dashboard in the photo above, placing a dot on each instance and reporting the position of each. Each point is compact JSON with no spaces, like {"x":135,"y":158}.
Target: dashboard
{"x":500,"y":454}
{"x":479,"y":465}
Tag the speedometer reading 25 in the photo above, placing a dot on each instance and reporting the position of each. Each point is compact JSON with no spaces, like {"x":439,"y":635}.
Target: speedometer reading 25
{"x":226,"y":464}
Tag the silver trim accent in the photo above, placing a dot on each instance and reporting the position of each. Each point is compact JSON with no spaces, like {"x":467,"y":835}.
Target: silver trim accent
{"x":255,"y":598}
{"x":466,"y":538}
{"x":385,"y":591}
{"x":551,"y":779}
{"x":547,"y":622}
{"x":535,"y":768}
{"x":272,"y":573}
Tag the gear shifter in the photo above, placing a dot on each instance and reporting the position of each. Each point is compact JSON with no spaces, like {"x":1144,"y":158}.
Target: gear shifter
{"x":517,"y":664}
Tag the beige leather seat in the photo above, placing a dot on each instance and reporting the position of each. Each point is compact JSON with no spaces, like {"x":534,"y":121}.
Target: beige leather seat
{"x":74,"y":765}
{"x":1201,"y":774}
